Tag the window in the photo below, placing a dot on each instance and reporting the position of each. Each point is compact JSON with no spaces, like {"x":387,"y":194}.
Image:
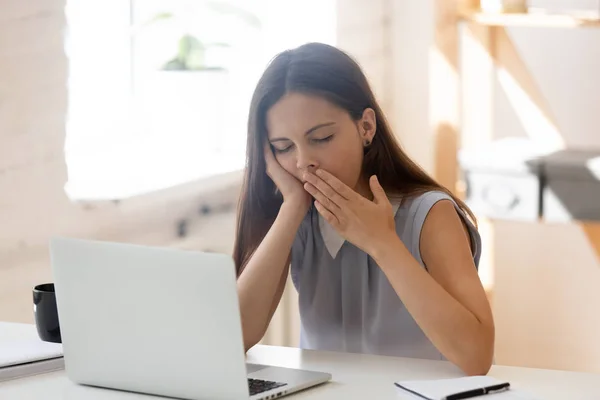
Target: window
{"x":159,"y":90}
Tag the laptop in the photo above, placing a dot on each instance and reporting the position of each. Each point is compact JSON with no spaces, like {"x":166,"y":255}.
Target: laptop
{"x":158,"y":321}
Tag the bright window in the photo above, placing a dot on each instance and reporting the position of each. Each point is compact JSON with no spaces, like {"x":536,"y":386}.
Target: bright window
{"x":159,"y":90}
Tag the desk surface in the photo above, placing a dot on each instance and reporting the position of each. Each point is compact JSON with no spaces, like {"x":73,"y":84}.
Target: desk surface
{"x":355,"y":376}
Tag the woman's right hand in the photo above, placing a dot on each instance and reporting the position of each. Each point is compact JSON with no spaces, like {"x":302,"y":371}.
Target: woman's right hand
{"x":291,"y":188}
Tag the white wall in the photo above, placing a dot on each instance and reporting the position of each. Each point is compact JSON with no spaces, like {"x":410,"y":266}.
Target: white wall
{"x":33,"y":204}
{"x":412,"y":34}
{"x":32,"y":105}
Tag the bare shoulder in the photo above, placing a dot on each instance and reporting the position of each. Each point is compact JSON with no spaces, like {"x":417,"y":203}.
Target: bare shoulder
{"x":444,"y":217}
{"x":445,"y":242}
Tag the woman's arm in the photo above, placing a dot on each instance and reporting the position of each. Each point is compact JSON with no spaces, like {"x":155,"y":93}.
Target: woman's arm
{"x":449,"y":303}
{"x":262,"y":280}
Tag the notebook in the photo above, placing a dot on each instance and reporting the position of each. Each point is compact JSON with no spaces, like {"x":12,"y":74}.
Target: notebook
{"x":28,"y":356}
{"x":470,"y":387}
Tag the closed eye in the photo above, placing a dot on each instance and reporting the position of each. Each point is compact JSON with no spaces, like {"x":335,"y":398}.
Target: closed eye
{"x":325,"y":139}
{"x":282,"y":150}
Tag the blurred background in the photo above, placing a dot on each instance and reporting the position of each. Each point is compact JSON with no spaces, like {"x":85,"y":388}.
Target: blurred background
{"x":125,"y":120}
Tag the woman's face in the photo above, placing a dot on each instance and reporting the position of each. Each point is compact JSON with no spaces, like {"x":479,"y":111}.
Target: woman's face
{"x":308,"y":132}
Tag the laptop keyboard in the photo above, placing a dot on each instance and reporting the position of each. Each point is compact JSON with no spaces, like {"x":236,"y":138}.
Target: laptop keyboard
{"x":258,"y":386}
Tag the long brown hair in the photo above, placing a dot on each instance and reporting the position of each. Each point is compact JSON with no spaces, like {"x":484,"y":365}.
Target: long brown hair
{"x":328,"y":72}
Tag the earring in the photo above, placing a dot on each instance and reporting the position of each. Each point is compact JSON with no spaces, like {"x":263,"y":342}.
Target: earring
{"x":367,"y":142}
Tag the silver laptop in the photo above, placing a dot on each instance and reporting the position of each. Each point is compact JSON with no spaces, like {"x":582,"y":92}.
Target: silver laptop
{"x":158,"y":321}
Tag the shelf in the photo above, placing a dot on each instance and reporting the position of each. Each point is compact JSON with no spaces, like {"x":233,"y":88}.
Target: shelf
{"x":534,"y":18}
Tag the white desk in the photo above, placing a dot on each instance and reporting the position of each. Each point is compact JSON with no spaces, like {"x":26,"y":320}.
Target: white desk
{"x":355,"y":376}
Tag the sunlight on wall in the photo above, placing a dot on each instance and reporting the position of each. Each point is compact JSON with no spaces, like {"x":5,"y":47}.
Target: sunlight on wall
{"x":538,"y":127}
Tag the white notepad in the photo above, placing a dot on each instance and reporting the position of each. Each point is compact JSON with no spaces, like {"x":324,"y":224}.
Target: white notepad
{"x":16,"y":352}
{"x":24,"y":357}
{"x":442,"y":389}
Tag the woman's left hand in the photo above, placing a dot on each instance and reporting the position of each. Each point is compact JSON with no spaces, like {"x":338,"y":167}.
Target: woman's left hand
{"x":367,"y":224}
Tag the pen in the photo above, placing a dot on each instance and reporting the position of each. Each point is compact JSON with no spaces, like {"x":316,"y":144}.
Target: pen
{"x":478,"y":392}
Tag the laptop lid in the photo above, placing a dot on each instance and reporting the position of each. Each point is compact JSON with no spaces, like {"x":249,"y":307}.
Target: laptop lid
{"x":150,"y":320}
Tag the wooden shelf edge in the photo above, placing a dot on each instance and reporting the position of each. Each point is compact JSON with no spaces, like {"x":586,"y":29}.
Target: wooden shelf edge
{"x":534,"y":18}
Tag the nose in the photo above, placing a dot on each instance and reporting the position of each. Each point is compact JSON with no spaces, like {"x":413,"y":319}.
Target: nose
{"x":305,"y":161}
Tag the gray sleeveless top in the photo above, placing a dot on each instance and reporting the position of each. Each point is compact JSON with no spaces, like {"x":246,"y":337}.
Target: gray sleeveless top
{"x":346,"y":301}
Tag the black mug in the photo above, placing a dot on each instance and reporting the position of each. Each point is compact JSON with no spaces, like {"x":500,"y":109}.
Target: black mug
{"x":46,"y":313}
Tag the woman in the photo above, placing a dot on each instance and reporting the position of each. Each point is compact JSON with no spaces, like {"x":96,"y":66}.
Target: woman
{"x":384,"y":259}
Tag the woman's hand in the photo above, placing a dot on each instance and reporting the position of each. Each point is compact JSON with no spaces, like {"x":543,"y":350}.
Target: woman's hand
{"x":367,"y":224}
{"x":291,"y":188}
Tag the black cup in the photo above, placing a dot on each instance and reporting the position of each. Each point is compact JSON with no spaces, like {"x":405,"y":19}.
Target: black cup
{"x":46,"y":313}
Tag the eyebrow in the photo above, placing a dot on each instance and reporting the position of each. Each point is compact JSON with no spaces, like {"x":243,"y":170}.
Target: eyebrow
{"x":308,"y":132}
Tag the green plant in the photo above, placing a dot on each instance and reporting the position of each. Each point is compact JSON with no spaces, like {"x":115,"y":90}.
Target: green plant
{"x":191,"y":56}
{"x":193,"y":45}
